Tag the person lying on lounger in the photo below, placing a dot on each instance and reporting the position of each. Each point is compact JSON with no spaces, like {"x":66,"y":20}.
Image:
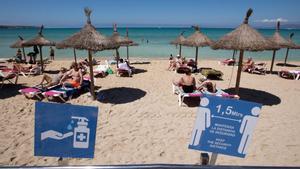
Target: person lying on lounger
{"x":248,"y":65}
{"x":72,"y":78}
{"x":53,"y":80}
{"x":186,"y":82}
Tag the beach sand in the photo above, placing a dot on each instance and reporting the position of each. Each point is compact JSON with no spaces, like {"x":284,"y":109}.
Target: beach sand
{"x":140,"y":121}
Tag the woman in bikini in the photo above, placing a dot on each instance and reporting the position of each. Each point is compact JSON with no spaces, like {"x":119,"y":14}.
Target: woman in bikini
{"x":187,"y":82}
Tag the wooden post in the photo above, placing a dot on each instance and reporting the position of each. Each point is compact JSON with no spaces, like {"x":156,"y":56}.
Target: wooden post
{"x":238,"y":77}
{"x":118,"y":57}
{"x":24,"y":55}
{"x":127,"y":51}
{"x":213,"y":159}
{"x":233,"y":55}
{"x":286,"y":56}
{"x":180,"y":50}
{"x":196,"y":57}
{"x":41,"y":58}
{"x":272,"y":63}
{"x":75,"y":57}
{"x":91,"y":75}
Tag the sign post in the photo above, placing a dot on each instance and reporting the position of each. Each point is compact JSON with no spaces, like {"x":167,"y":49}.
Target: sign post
{"x":224,"y":126}
{"x":64,"y":130}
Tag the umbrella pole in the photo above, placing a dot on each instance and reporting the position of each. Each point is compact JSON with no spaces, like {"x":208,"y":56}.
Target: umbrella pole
{"x":24,"y":53}
{"x":180,"y":50}
{"x":233,"y":55}
{"x":91,"y":75}
{"x":75,"y":57}
{"x":41,"y":58}
{"x":272,"y":63}
{"x":286,"y":56}
{"x":238,"y":77}
{"x":127,"y":51}
{"x":118,"y":57}
{"x":196,"y":57}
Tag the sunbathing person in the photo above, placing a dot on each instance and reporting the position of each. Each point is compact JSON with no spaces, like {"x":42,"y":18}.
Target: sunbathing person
{"x":72,"y":78}
{"x":53,"y":80}
{"x":172,"y":63}
{"x":187,"y":82}
{"x":248,"y":65}
{"x":125,"y":66}
{"x":207,"y":85}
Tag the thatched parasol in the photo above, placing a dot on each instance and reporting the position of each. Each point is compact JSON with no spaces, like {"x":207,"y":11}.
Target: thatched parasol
{"x":87,"y":39}
{"x":179,"y":41}
{"x":197,"y":39}
{"x":280,"y":42}
{"x":119,"y":41}
{"x":19,"y":44}
{"x":39,"y":41}
{"x":130,"y":44}
{"x":293,"y":46}
{"x":243,"y":38}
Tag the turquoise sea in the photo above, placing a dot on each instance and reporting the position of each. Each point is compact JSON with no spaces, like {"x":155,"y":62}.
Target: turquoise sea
{"x":157,"y":47}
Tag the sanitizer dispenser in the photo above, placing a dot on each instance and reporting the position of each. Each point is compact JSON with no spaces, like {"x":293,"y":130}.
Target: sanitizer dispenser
{"x":81,"y":133}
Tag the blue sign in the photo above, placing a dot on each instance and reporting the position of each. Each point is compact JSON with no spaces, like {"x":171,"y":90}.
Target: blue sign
{"x":65,"y":130}
{"x":224,"y":125}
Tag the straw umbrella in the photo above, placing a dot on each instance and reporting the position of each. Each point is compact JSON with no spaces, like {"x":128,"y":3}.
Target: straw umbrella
{"x":130,"y":44}
{"x":39,"y":41}
{"x":293,"y":46}
{"x":243,"y":38}
{"x":179,"y":41}
{"x":119,"y":41}
{"x":197,"y":40}
{"x":19,"y":44}
{"x":280,"y":42}
{"x":87,"y":39}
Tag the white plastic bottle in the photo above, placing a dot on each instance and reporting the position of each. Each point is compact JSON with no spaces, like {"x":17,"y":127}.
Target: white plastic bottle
{"x":81,"y":133}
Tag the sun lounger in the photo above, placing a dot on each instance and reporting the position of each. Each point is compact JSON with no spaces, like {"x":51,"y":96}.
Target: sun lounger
{"x":289,"y":74}
{"x":8,"y":77}
{"x":101,"y":70}
{"x":122,"y":72}
{"x":65,"y":93}
{"x":258,"y":68}
{"x":210,"y":73}
{"x":182,"y":95}
{"x":227,"y":62}
{"x":35,"y":91}
{"x":183,"y":69}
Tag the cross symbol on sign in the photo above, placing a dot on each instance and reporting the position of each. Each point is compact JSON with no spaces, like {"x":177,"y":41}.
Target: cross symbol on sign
{"x":81,"y":137}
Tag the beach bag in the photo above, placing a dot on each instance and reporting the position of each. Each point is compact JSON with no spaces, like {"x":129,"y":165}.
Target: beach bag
{"x":110,"y":71}
{"x":212,"y":73}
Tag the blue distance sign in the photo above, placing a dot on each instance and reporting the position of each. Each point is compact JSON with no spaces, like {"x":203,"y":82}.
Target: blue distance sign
{"x":224,"y":125}
{"x":65,"y":130}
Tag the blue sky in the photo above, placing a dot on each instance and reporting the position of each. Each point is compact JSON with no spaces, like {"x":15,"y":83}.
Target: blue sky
{"x":206,"y":13}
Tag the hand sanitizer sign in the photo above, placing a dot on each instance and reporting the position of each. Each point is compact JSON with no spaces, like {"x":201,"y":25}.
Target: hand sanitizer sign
{"x":65,"y":130}
{"x":224,"y":125}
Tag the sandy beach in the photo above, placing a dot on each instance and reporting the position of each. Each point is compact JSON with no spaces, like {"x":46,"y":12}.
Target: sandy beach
{"x":140,"y":122}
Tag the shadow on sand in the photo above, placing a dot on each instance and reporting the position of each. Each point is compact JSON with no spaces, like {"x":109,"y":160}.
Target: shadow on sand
{"x":287,"y":65}
{"x":257,"y":96}
{"x":137,"y":71}
{"x":10,"y":90}
{"x":51,"y":71}
{"x":191,"y":102}
{"x":120,"y":95}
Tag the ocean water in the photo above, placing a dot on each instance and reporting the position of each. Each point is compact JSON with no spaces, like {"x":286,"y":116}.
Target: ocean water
{"x":158,"y":45}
